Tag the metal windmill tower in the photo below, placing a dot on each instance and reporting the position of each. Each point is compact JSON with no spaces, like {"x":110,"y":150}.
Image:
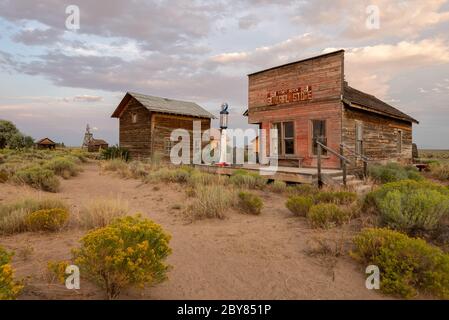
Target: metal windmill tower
{"x":88,"y":136}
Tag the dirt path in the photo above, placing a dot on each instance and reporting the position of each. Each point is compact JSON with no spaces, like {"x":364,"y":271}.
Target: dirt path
{"x":242,"y":257}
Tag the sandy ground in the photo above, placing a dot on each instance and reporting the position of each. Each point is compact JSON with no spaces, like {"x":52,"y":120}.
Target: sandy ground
{"x":241,"y":257}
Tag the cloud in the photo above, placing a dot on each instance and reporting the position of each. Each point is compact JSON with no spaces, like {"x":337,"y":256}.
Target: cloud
{"x":271,"y":55}
{"x":157,"y":25}
{"x":249,"y":21}
{"x":371,"y":68}
{"x":38,"y":36}
{"x":397,"y":18}
{"x":87,"y":98}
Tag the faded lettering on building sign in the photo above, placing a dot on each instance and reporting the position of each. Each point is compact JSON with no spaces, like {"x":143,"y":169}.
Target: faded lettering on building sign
{"x":288,"y":96}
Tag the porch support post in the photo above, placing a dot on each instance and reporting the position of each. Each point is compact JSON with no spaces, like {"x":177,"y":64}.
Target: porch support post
{"x":320,"y":181}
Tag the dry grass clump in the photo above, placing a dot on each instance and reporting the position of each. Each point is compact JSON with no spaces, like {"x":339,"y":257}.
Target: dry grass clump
{"x":278,"y":186}
{"x":13,"y":215}
{"x":439,"y":171}
{"x":100,"y":212}
{"x":211,"y":202}
{"x":38,"y":177}
{"x":248,"y":180}
{"x":249,"y":203}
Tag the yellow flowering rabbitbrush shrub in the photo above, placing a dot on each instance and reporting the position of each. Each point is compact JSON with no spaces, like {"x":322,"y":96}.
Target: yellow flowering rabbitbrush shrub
{"x":131,"y":251}
{"x":47,"y":220}
{"x":407,"y":265}
{"x":56,"y":271}
{"x":9,"y":288}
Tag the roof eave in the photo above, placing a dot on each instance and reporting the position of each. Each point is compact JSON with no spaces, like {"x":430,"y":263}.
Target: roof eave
{"x":366,"y":108}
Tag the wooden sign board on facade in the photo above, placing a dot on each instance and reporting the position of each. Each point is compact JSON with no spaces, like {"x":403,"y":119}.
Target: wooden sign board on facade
{"x":290,"y":95}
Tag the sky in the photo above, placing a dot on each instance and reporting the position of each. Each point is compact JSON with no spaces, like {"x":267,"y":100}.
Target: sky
{"x":55,"y":79}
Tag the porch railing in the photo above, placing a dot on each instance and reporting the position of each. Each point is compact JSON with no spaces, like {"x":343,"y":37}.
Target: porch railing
{"x":356,"y":154}
{"x":343,"y":159}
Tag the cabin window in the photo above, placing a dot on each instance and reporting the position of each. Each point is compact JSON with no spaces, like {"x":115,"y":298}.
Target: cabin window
{"x":359,"y":137}
{"x":134,"y":117}
{"x":399,"y":142}
{"x":286,"y":137}
{"x":168,"y":145}
{"x":319,"y":133}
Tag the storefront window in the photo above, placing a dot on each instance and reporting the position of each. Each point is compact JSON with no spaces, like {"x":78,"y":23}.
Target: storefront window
{"x":286,"y":137}
{"x":289,"y":138}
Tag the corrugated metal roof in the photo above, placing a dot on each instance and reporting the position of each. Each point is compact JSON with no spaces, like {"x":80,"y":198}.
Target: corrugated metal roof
{"x":164,"y":105}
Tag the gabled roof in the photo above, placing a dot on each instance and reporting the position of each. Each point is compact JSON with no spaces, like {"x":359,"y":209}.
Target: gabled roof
{"x":356,"y":98}
{"x":361,"y":100}
{"x":164,"y":105}
{"x":45,"y":141}
{"x":97,"y":142}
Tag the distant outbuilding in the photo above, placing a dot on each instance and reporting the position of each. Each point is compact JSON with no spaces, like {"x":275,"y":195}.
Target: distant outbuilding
{"x":96,"y":144}
{"x":46,"y":143}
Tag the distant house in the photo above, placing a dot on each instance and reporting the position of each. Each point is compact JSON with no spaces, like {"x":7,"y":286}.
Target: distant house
{"x":96,"y":145}
{"x":146,"y":123}
{"x":45,"y":143}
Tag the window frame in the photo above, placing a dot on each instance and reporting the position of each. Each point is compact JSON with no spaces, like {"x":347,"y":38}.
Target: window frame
{"x":312,"y":140}
{"x":168,"y":145}
{"x":281,"y":137}
{"x":133,"y":117}
{"x":399,"y":141}
{"x":358,"y":146}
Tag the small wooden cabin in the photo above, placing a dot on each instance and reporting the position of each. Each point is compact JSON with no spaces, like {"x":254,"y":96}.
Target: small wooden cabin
{"x":146,"y":123}
{"x":96,"y":145}
{"x":310,"y":99}
{"x":46,"y":143}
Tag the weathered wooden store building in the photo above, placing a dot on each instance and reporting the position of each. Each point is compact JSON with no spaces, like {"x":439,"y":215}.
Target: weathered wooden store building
{"x":146,"y":123}
{"x":310,"y":99}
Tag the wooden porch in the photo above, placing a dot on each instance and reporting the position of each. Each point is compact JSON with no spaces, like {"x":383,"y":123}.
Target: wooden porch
{"x":286,"y":174}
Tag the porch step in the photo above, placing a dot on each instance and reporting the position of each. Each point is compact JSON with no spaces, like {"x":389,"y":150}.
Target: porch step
{"x":351,"y":180}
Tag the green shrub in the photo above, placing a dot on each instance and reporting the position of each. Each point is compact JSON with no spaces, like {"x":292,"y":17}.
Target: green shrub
{"x":9,"y":288}
{"x":38,"y":178}
{"x":13,"y":215}
{"x":211,"y":202}
{"x":250,"y":203}
{"x":416,"y":210}
{"x":326,"y":215}
{"x":131,"y":251}
{"x":299,"y":205}
{"x":115,"y":152}
{"x":393,"y":172}
{"x":410,"y":205}
{"x":407,"y":265}
{"x":278,"y":186}
{"x":47,"y":219}
{"x":63,"y":166}
{"x":337,"y":197}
